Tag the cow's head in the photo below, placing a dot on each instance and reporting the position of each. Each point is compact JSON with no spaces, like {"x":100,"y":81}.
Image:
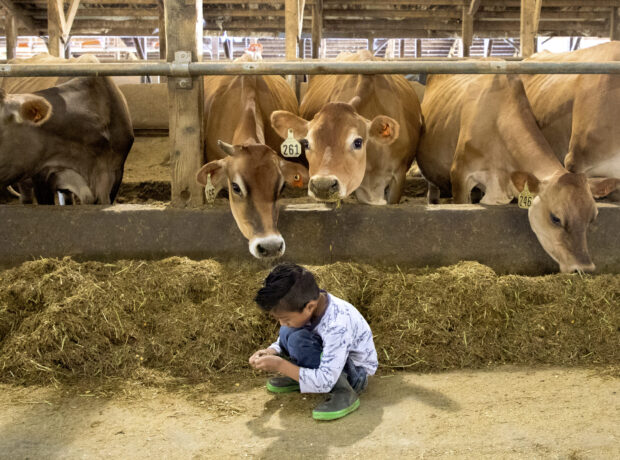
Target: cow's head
{"x":18,"y":109}
{"x":255,"y":176}
{"x":335,"y":142}
{"x":561,"y":212}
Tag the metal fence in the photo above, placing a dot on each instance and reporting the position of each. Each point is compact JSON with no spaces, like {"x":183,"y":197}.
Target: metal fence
{"x":309,"y":67}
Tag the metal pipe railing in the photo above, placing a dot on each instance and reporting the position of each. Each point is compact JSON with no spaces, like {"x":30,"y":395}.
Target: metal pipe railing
{"x":310,"y":67}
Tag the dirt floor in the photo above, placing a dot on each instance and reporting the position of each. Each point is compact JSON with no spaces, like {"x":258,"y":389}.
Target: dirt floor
{"x":504,"y":413}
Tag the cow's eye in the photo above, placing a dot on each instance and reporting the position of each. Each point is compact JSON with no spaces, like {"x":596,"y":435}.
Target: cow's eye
{"x":236,"y":188}
{"x":305,"y":144}
{"x":357,"y":143}
{"x":555,"y":220}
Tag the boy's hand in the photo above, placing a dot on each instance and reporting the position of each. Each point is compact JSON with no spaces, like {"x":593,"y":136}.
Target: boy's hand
{"x":260,"y":353}
{"x":268,"y":363}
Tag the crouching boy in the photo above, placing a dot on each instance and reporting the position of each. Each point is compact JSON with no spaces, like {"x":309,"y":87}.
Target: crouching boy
{"x":324,"y":346}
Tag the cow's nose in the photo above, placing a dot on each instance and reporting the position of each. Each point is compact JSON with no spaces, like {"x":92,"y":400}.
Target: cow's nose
{"x":324,"y":187}
{"x":271,"y":246}
{"x":578,"y":268}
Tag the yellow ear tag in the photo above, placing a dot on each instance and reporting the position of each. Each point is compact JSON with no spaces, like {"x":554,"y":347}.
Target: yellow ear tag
{"x":209,"y":191}
{"x":290,"y":148}
{"x":525,"y":197}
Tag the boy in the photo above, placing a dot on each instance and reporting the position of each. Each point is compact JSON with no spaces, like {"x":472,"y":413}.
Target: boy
{"x":327,"y":342}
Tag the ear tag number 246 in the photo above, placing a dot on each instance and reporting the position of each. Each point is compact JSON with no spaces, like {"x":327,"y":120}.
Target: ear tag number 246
{"x":525,"y":197}
{"x":290,"y":148}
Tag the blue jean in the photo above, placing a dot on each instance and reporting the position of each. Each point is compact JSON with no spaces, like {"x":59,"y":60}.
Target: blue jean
{"x":305,"y":348}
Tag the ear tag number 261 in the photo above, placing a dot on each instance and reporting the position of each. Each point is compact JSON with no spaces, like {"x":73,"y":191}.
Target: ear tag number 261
{"x":525,"y":197}
{"x":290,"y":148}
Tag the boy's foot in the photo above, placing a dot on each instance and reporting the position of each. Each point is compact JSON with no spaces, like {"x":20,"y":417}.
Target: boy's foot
{"x":342,"y":400}
{"x":282,"y":385}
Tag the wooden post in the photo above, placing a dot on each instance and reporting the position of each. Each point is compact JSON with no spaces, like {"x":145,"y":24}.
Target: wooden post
{"x":418,"y":47}
{"x":11,"y":36}
{"x":530,"y":16}
{"x":291,"y":26}
{"x":67,"y":48}
{"x":54,"y":27}
{"x":292,"y":34}
{"x":402,"y":47}
{"x":317,"y":27}
{"x":614,"y":24}
{"x":162,"y":30}
{"x":185,"y":101}
{"x":467,"y":32}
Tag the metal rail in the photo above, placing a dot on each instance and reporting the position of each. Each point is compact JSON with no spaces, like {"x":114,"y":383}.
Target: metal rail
{"x":311,"y":67}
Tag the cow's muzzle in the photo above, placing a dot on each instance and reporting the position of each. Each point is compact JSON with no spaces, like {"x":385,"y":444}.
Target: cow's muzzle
{"x":269,"y":246}
{"x":325,"y":188}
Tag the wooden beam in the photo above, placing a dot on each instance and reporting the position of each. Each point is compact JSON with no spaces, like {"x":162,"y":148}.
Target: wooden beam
{"x":317,"y":27}
{"x":614,"y":24}
{"x":20,"y":14}
{"x":473,"y":7}
{"x":467,"y":31}
{"x":291,"y":28}
{"x":530,"y":15}
{"x":55,"y":26}
{"x":162,"y":29}
{"x":537,"y":11}
{"x":11,"y":36}
{"x":184,"y":33}
{"x":418,"y":47}
{"x":71,"y":12}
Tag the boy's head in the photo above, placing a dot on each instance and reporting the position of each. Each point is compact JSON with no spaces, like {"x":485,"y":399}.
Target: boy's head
{"x":290,"y":295}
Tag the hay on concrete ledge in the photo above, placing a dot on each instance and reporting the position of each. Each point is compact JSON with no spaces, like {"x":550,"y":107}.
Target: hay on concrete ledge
{"x":180,"y":321}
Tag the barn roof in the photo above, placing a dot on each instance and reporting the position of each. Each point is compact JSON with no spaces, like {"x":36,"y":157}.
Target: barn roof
{"x":342,"y":18}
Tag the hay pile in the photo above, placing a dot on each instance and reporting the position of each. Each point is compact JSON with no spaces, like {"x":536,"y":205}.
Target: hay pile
{"x":181,"y":321}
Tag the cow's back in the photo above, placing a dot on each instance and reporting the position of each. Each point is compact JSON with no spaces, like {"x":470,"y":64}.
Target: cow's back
{"x":20,"y":85}
{"x":484,"y":121}
{"x":571,"y":109}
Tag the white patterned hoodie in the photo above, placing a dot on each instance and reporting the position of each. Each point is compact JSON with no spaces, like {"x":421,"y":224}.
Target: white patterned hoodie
{"x":345,"y":334}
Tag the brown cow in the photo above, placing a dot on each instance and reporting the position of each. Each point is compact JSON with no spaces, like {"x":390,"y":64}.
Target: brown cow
{"x":72,"y":136}
{"x":480,"y":132}
{"x":362,"y":134}
{"x":237,"y":110}
{"x":579,"y":114}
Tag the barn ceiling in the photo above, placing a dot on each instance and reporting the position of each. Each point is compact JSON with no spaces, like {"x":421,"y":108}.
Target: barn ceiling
{"x":341,"y":18}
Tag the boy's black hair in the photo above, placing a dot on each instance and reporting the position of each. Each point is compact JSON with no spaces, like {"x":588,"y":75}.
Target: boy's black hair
{"x":288,"y":287}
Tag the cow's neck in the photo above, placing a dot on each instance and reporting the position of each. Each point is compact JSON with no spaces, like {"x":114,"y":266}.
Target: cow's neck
{"x":530,"y":150}
{"x":251,"y":128}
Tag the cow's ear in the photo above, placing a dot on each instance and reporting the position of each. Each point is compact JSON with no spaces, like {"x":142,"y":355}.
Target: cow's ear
{"x":519,"y":178}
{"x":601,"y":187}
{"x":383,"y":130}
{"x":217,"y":170}
{"x":295,"y":174}
{"x":282,"y":121}
{"x":35,"y":110}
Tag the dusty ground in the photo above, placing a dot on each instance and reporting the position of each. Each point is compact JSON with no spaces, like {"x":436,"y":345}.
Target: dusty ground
{"x":505,"y":413}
